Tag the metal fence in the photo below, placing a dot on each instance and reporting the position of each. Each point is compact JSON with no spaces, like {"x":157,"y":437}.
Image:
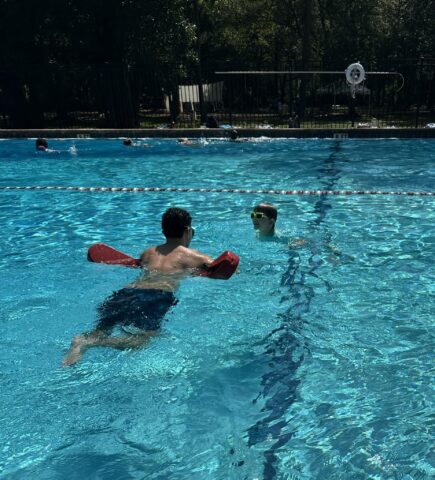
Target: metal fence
{"x":119,"y":96}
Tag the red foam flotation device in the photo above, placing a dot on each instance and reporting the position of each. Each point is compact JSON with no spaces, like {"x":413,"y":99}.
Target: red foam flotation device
{"x":102,"y":253}
{"x":221,"y":268}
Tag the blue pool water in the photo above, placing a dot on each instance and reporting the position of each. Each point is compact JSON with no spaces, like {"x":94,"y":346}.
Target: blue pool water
{"x":315,"y":362}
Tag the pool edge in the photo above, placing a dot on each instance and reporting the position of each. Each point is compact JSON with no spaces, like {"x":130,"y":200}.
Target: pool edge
{"x":340,"y":133}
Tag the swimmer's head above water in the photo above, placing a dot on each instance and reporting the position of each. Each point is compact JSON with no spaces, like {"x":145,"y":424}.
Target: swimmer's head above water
{"x":184,"y":141}
{"x":234,"y":134}
{"x":177,"y":224}
{"x":264,"y":216}
{"x":41,"y":144}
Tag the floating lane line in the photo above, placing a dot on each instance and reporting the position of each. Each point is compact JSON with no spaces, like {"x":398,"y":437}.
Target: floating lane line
{"x":218,"y":190}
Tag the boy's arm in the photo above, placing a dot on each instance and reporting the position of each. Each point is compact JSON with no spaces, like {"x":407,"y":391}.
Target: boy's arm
{"x":201,"y":260}
{"x":195,"y":259}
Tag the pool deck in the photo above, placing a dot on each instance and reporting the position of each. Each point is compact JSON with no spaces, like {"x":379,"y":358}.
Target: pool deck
{"x":340,"y":133}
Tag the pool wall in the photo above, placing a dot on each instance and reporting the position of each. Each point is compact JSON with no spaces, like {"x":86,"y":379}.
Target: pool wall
{"x":222,"y":133}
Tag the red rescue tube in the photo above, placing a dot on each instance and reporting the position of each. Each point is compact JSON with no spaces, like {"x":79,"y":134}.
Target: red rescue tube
{"x":102,"y":253}
{"x":221,"y":268}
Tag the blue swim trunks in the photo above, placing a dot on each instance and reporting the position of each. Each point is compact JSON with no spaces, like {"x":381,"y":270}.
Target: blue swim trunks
{"x":138,"y":307}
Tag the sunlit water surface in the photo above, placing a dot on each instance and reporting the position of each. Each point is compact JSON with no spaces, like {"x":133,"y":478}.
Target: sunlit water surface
{"x":315,"y":362}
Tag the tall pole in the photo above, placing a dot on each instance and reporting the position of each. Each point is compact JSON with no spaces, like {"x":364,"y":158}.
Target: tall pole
{"x":417,"y":90}
{"x":307,"y":33}
{"x":199,"y":71}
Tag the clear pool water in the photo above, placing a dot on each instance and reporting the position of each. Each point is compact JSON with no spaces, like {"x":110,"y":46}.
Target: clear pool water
{"x":316,"y":362}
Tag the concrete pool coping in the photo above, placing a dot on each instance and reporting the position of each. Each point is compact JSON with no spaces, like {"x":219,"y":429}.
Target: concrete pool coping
{"x":340,"y":133}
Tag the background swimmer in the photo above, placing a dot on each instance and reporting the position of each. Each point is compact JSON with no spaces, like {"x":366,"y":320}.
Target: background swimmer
{"x":192,"y":143}
{"x":41,"y":144}
{"x":128,"y":142}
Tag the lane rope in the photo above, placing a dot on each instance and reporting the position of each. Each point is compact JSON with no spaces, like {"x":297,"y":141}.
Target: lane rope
{"x":218,"y":190}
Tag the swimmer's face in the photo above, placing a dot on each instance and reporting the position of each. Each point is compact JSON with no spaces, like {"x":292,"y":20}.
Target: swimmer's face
{"x":262,"y":223}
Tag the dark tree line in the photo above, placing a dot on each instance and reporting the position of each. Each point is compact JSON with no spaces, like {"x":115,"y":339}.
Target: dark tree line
{"x":54,"y":51}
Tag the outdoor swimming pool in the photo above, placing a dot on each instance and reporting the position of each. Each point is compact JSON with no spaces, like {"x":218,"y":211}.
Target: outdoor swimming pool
{"x":315,"y":362}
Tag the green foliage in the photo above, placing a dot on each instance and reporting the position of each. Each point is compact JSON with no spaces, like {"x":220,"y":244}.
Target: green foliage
{"x":164,"y":35}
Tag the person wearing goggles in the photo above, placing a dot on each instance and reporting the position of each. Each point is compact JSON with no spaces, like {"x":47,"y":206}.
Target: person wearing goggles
{"x":264,"y":216}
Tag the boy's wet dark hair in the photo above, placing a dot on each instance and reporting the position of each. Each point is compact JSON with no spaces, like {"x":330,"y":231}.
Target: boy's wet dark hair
{"x":234,"y":134}
{"x":41,"y":142}
{"x":175,"y":221}
{"x":268,"y":209}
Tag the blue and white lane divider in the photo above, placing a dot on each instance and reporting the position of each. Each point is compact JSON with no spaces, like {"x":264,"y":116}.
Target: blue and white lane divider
{"x":219,"y":190}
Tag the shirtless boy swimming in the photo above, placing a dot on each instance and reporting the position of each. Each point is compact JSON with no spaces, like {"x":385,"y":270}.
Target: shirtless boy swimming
{"x":144,"y":303}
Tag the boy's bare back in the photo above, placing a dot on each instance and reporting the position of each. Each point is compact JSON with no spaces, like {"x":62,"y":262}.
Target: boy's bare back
{"x":169,"y":259}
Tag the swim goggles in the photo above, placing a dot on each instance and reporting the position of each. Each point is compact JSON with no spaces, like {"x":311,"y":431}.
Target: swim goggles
{"x":257,"y":215}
